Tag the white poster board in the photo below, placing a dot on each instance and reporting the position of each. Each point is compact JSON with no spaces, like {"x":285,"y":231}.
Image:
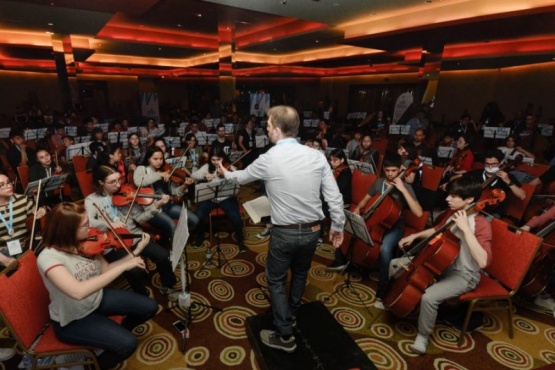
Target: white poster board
{"x":403,"y":103}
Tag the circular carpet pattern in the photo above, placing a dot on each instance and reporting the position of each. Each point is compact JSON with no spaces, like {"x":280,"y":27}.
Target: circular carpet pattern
{"x":509,"y":355}
{"x":549,"y":334}
{"x":350,"y":319}
{"x":221,"y":290}
{"x":232,"y":355}
{"x":445,"y":364}
{"x":143,"y":330}
{"x":326,"y":251}
{"x":196,"y":356}
{"x":237,"y":268}
{"x":405,"y":328}
{"x":382,"y":330}
{"x":261,"y":259}
{"x":231,"y":321}
{"x":204,"y":272}
{"x":381,"y":354}
{"x":526,"y":326}
{"x":319,"y":272}
{"x":404,"y":347}
{"x":156,"y":349}
{"x":548,"y":356}
{"x":261,"y":279}
{"x":327,"y":299}
{"x":492,"y":324}
{"x":446,"y":338}
{"x":359,"y":297}
{"x":255,"y":297}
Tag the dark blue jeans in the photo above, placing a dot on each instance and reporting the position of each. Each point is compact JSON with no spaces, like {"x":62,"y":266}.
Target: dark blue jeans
{"x":387,"y":252}
{"x":97,"y":330}
{"x":230,"y":206}
{"x":137,"y":277}
{"x":289,"y":249}
{"x":165,"y":220}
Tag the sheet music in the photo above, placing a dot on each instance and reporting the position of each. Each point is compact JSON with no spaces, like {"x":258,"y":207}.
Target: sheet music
{"x":173,"y":141}
{"x":34,"y":134}
{"x":48,"y":184}
{"x":173,"y":161}
{"x":103,"y":126}
{"x":234,"y":155}
{"x":399,"y":130}
{"x":426,"y":160}
{"x":207,"y":190}
{"x":445,"y":152}
{"x":546,"y":130}
{"x":229,"y":129}
{"x":78,"y":149}
{"x":497,"y":132}
{"x":201,"y":138}
{"x":131,"y":130}
{"x":178,"y":244}
{"x":117,"y":137}
{"x":364,"y":167}
{"x":356,"y":226}
{"x":71,"y":130}
{"x":4,"y":133}
{"x":261,"y":141}
{"x":258,"y":208}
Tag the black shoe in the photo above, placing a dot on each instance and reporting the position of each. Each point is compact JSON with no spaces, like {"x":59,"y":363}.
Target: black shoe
{"x":242,"y":248}
{"x":380,"y":291}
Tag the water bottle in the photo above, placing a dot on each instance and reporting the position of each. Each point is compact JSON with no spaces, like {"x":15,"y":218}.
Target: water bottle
{"x":184,"y":300}
{"x":208,"y":256}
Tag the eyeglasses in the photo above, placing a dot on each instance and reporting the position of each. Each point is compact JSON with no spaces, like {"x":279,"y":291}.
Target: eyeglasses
{"x":5,"y":185}
{"x":114,"y":182}
{"x":491,"y":165}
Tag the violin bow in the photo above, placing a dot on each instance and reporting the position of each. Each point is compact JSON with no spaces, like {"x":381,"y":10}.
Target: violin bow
{"x":241,"y":157}
{"x":174,"y":167}
{"x":133,"y":201}
{"x":113,"y":231}
{"x":35,"y":216}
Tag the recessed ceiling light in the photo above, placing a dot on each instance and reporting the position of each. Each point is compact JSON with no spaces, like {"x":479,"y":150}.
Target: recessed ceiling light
{"x":50,"y":24}
{"x":198,"y":15}
{"x":159,"y":48}
{"x":317,"y":41}
{"x":178,"y":25}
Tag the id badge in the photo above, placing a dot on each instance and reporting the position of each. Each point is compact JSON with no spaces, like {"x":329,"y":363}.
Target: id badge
{"x":14,"y":247}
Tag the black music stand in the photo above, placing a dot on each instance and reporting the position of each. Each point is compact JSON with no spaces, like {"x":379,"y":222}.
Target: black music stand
{"x":213,"y":190}
{"x":355,"y":226}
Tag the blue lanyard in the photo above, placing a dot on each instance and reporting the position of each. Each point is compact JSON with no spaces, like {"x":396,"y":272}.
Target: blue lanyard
{"x":113,"y":209}
{"x":9,"y":226}
{"x":384,"y":186}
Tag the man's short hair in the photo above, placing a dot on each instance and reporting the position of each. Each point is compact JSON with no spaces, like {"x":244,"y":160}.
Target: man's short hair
{"x":286,"y":118}
{"x":15,"y":132}
{"x":392,"y":160}
{"x":465,"y":187}
{"x":494,"y":153}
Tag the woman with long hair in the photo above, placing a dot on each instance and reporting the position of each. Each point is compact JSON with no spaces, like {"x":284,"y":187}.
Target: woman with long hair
{"x":81,"y":303}
{"x":108,"y":183}
{"x":195,"y":155}
{"x":152,"y":174}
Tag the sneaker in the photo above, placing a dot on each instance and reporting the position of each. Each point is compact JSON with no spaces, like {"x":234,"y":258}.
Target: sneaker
{"x":170,"y":293}
{"x":420,"y":344}
{"x":6,"y":354}
{"x":545,"y":301}
{"x":320,"y":242}
{"x":271,"y":339}
{"x":266,"y":232}
{"x":335,"y":267}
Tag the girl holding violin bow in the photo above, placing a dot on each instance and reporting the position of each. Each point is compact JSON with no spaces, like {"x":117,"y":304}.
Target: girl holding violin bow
{"x":152,"y":173}
{"x":229,"y":205}
{"x":461,"y":163}
{"x":80,"y":302}
{"x":107,"y":211}
{"x":474,"y":233}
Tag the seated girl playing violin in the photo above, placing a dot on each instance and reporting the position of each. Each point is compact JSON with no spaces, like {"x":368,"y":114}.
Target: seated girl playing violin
{"x":108,"y":183}
{"x":14,"y":210}
{"x":229,"y":205}
{"x":151,"y":173}
{"x":474,"y":233}
{"x":80,"y":302}
{"x":461,"y":162}
{"x":404,"y":195}
{"x":111,"y":156}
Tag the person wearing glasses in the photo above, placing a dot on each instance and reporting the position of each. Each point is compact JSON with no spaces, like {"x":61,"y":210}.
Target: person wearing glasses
{"x":14,"y":211}
{"x":108,"y":182}
{"x":504,"y":181}
{"x":81,"y":302}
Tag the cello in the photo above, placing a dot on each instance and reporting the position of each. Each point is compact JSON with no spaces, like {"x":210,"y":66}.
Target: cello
{"x":538,"y":276}
{"x":380,"y":214}
{"x":428,"y":260}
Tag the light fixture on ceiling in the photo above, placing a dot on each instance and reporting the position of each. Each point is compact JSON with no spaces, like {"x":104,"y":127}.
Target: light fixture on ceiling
{"x":50,"y":24}
{"x":199,"y":15}
{"x":179,"y":26}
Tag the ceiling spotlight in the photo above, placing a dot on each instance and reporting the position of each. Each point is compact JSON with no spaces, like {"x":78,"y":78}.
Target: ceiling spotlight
{"x":179,"y":25}
{"x":283,"y":2}
{"x":50,"y":24}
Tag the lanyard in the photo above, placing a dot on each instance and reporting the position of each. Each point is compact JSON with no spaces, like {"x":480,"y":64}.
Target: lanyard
{"x":48,"y":172}
{"x":113,"y":209}
{"x":384,"y":186}
{"x":485,"y":178}
{"x":9,"y":226}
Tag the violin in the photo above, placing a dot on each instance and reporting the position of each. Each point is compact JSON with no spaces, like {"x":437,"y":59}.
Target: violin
{"x":338,"y":170}
{"x":142,"y":196}
{"x":99,"y":241}
{"x":433,"y":256}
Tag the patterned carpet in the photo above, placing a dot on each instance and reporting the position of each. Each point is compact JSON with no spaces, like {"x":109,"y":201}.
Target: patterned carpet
{"x":218,"y":339}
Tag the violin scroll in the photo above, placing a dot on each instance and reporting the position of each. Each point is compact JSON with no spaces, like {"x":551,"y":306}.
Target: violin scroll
{"x":498,"y":196}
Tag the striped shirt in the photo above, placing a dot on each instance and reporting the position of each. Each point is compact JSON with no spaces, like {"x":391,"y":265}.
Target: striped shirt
{"x":22,"y":208}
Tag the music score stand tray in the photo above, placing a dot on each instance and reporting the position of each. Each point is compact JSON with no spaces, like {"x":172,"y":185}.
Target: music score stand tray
{"x":355,"y":226}
{"x":213,"y":190}
{"x":51,"y":183}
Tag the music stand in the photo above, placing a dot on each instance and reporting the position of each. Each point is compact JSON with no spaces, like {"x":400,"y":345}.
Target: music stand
{"x":47,"y":184}
{"x":355,"y":226}
{"x":213,"y":190}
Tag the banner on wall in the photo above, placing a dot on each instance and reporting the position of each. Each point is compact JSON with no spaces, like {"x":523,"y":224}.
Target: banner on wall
{"x":260,"y":104}
{"x":149,"y":105}
{"x":401,"y":105}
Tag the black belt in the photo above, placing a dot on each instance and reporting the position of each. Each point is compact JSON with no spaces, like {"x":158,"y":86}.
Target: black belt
{"x":299,"y":226}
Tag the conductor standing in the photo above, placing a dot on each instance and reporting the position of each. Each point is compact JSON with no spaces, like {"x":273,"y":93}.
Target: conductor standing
{"x":294,"y":176}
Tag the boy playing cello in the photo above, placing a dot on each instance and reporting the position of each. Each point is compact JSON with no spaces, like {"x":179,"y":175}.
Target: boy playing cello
{"x":474,"y":233}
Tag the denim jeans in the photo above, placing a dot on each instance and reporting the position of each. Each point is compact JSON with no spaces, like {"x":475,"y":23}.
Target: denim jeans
{"x":137,"y":277}
{"x":230,"y":206}
{"x":289,"y":249}
{"x":387,"y":252}
{"x":97,"y":330}
{"x":165,"y":220}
